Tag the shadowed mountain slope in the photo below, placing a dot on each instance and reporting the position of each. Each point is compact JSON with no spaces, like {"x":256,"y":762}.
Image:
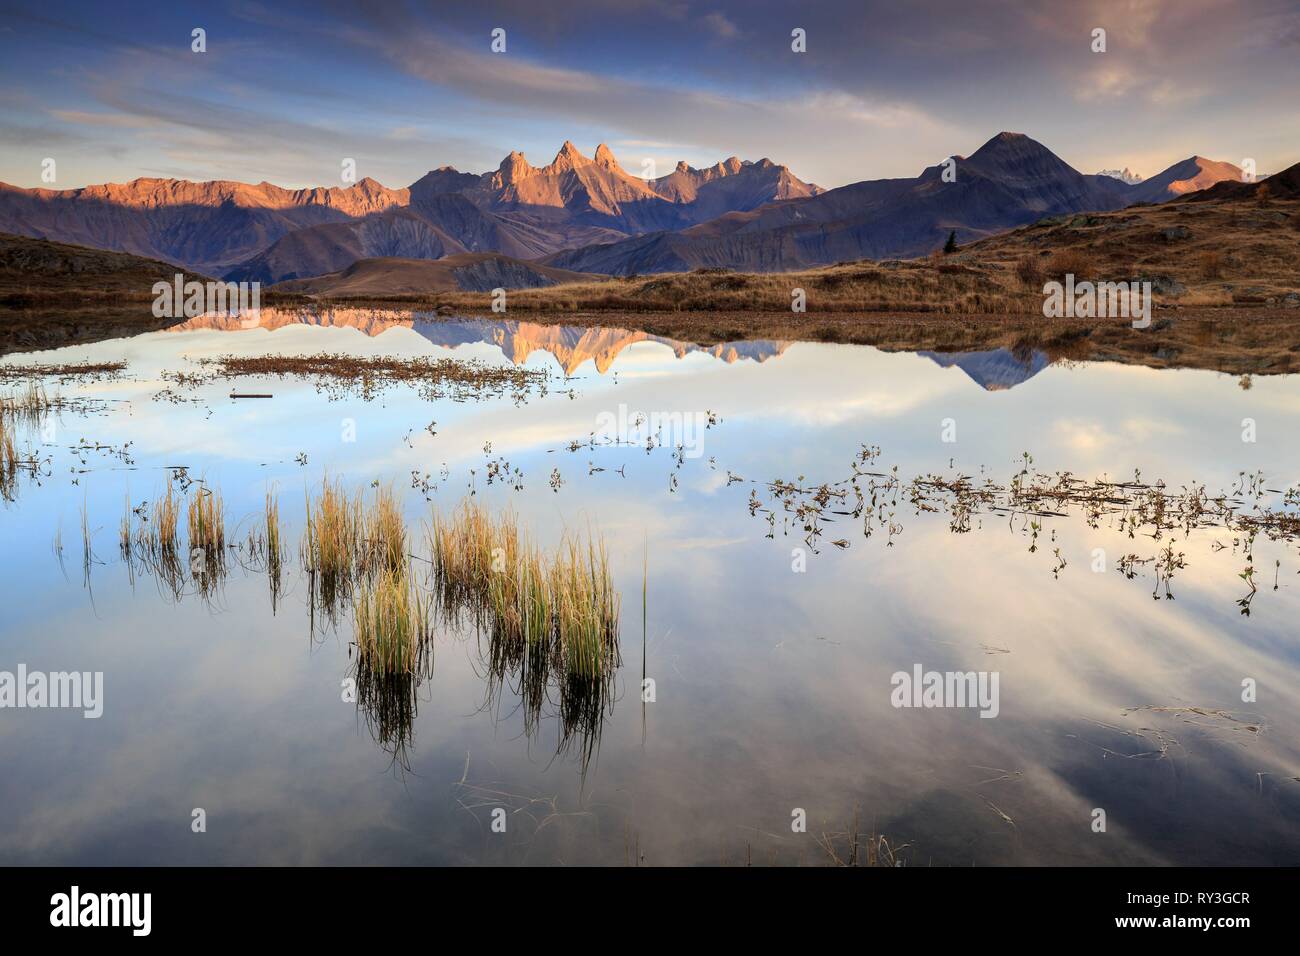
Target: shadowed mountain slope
{"x":230,"y":229}
{"x":208,"y":227}
{"x":1010,"y":181}
{"x":466,"y":271}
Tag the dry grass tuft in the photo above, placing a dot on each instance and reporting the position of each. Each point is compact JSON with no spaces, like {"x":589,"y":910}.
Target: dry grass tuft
{"x":551,"y":619}
{"x":345,"y":540}
{"x":207,"y":524}
{"x":331,"y":541}
{"x":9,"y":462}
{"x":564,"y":602}
{"x":1079,"y":262}
{"x":1029,"y":272}
{"x":391,"y":622}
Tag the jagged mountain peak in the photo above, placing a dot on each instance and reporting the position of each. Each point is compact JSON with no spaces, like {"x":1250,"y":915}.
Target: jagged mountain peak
{"x":568,"y":158}
{"x":512,"y":169}
{"x":605,"y":157}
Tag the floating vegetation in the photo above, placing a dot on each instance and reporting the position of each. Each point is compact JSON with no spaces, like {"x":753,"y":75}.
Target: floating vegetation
{"x":63,"y":371}
{"x":338,"y":375}
{"x":551,"y":620}
{"x":1209,"y":717}
{"x":31,"y":409}
{"x":1136,"y":508}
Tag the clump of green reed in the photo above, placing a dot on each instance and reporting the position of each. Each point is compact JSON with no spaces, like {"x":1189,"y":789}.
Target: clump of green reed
{"x":161,"y":538}
{"x":518,"y":605}
{"x":274,"y":547}
{"x":564,"y":602}
{"x":586,"y":608}
{"x":383,"y":534}
{"x":274,"y":544}
{"x":124,"y":532}
{"x":391,"y":621}
{"x":551,"y":619}
{"x":207,"y":538}
{"x":462,"y":546}
{"x":8,"y":459}
{"x":346,"y":540}
{"x":331,"y":540}
{"x":207,"y":524}
{"x":29,"y":405}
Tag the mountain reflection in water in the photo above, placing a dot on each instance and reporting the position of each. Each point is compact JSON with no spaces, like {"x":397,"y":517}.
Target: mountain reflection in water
{"x":570,"y":344}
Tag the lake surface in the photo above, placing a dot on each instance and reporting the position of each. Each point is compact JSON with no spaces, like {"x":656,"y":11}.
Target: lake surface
{"x":772,"y":650}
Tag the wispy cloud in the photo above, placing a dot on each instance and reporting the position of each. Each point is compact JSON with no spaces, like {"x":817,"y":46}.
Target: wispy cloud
{"x":884,"y":89}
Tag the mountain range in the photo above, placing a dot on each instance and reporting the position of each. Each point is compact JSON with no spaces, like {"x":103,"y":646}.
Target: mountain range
{"x":1010,"y":181}
{"x":585,"y":215}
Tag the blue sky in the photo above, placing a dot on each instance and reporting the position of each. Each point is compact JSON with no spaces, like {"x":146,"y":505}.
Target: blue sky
{"x":285,"y":92}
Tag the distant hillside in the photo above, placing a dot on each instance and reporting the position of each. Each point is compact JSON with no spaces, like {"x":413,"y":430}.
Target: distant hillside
{"x":1237,"y":243}
{"x":463,"y":272}
{"x":334,"y":246}
{"x":54,"y":294}
{"x":36,"y":270}
{"x":1185,"y":177}
{"x":1234,"y":243}
{"x":207,"y":227}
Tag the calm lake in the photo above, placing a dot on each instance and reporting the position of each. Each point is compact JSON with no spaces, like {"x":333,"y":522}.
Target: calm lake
{"x":771,"y":631}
